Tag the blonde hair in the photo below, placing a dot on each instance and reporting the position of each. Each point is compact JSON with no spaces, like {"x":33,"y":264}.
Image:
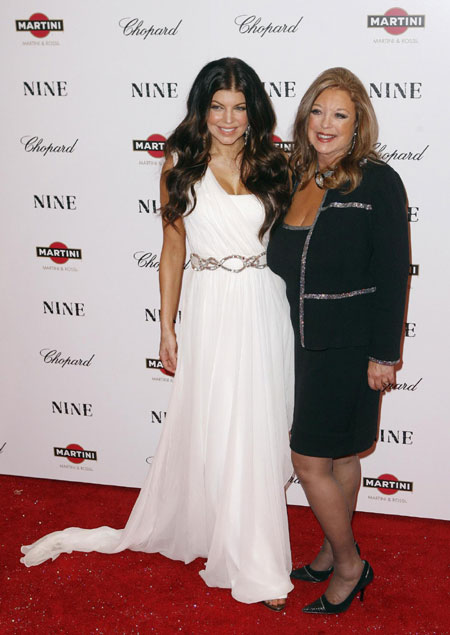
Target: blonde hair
{"x":348,"y":172}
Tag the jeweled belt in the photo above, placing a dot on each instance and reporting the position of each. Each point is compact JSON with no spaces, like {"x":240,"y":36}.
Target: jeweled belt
{"x":211,"y":264}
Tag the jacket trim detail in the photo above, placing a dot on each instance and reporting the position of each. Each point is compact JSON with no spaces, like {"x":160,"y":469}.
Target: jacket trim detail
{"x":303,"y":271}
{"x":366,"y":206}
{"x":384,"y":363}
{"x":338,"y":296}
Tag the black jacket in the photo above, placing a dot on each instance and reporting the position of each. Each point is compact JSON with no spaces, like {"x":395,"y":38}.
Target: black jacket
{"x":355,"y":266}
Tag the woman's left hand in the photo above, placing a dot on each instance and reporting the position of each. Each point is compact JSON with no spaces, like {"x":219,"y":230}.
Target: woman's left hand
{"x":380,"y":375}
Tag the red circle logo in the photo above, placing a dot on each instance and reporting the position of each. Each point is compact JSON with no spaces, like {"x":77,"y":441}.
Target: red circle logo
{"x":167,"y":372}
{"x":387,"y":490}
{"x":396,"y":30}
{"x":72,"y":459}
{"x":158,"y":142}
{"x":39,"y":17}
{"x":60,"y":260}
{"x":276,"y":139}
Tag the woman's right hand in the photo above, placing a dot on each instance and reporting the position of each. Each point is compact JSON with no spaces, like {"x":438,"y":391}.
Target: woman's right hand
{"x":168,"y":351}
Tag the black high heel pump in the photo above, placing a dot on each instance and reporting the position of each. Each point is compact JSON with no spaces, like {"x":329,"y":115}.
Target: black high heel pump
{"x":323,"y":607}
{"x":308,"y":574}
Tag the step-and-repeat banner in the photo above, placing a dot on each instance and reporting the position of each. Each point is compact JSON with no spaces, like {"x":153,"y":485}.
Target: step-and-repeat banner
{"x":91,"y":90}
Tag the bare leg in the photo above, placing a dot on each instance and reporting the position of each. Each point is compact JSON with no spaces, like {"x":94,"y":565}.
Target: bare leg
{"x":329,"y":503}
{"x":347,"y":472}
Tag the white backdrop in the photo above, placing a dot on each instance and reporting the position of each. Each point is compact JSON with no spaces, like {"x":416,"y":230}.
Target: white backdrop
{"x":113,"y":73}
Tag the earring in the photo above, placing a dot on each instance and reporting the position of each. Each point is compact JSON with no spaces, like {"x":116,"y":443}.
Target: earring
{"x":353,"y":142}
{"x":246,"y":134}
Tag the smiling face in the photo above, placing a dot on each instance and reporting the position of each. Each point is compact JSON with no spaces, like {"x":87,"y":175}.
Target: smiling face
{"x":331,"y":125}
{"x":227,"y":117}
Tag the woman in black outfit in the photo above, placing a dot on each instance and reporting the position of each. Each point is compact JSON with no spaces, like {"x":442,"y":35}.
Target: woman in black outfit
{"x":343,"y":253}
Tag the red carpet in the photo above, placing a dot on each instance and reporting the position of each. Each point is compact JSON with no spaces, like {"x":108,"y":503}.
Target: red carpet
{"x":133,"y":593}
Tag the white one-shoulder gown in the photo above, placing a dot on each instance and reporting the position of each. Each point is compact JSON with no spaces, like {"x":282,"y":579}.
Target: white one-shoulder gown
{"x":216,"y":485}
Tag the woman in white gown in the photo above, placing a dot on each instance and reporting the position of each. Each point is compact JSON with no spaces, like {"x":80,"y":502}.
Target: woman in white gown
{"x":216,"y":485}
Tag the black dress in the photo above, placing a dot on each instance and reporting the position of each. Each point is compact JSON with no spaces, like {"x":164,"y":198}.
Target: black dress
{"x":335,"y":412}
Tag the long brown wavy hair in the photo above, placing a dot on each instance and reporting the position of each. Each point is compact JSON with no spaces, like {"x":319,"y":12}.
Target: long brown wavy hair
{"x":348,"y":173}
{"x":264,"y":168}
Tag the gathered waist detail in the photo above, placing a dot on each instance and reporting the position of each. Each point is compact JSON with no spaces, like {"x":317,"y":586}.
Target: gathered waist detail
{"x":241,"y":262}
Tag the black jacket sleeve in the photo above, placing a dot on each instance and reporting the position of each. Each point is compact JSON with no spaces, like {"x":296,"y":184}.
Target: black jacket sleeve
{"x":389,"y":265}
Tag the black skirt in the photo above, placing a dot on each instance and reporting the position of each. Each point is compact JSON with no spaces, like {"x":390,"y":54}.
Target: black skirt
{"x":335,"y":412}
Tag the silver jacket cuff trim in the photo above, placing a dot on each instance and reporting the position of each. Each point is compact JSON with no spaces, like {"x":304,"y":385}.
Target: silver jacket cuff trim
{"x":383,"y":362}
